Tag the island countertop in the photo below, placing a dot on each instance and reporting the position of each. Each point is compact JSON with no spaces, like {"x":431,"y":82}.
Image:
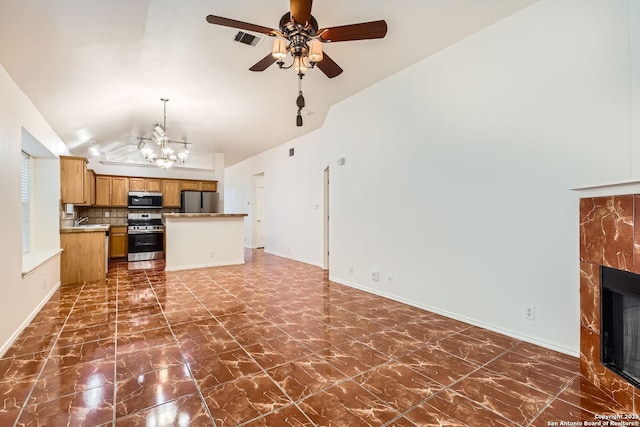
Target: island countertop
{"x":203,"y":215}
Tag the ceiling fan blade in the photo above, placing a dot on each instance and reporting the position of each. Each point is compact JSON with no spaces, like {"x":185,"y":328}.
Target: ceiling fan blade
{"x":329,"y":66}
{"x":227,"y":22}
{"x":301,"y":11}
{"x":362,"y":31}
{"x":264,"y":63}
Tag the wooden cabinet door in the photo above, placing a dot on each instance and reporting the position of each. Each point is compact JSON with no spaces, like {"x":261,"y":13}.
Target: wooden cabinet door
{"x":92,"y":187}
{"x":88,"y":187}
{"x":118,"y":244}
{"x":82,"y":258}
{"x":119,"y":191}
{"x":171,"y":193}
{"x":153,"y":185}
{"x":136,"y":184}
{"x":72,"y":179}
{"x":209,"y":185}
{"x":190,"y":185}
{"x":103,"y":191}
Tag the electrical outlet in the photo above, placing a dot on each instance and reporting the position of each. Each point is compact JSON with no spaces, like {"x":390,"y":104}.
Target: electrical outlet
{"x":351,"y":270}
{"x":390,"y":279}
{"x":211,"y":254}
{"x":44,"y":283}
{"x":530,"y":312}
{"x":106,"y":214}
{"x":375,"y":276}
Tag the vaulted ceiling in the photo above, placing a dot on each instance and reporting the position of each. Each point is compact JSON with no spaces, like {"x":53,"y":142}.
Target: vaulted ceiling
{"x":96,"y":69}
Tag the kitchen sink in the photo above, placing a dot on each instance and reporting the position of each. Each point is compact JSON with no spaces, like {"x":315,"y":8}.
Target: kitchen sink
{"x":91,"y":226}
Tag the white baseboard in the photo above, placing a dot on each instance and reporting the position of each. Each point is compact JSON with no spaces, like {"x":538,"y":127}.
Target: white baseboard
{"x":302,"y":260}
{"x":464,"y":319}
{"x":7,"y":344}
{"x":213,"y":264}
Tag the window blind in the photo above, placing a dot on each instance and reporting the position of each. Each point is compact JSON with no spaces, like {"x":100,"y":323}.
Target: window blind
{"x":25,"y":190}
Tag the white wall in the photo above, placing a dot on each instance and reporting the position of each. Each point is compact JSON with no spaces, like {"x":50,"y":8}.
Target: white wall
{"x":293,"y":197}
{"x":20,"y":297}
{"x":459,"y":169}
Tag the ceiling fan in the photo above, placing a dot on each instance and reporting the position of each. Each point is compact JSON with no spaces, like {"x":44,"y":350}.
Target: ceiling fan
{"x":300,"y":36}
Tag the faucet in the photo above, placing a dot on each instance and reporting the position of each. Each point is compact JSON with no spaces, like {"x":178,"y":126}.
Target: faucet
{"x":79,"y":221}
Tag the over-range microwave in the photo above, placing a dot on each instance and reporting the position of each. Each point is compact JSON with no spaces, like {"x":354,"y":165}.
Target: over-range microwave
{"x":144,"y":200}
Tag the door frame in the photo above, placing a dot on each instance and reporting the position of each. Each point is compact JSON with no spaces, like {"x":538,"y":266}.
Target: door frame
{"x":254,"y":224}
{"x":325,"y":220}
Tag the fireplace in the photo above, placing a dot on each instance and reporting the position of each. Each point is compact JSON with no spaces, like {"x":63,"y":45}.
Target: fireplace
{"x":620,"y":323}
{"x":610,"y":247}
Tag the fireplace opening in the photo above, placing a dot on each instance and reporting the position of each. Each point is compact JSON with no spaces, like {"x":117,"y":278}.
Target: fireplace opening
{"x":620,"y":323}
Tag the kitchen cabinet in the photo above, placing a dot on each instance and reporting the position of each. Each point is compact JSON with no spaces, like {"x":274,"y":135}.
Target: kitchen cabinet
{"x":112,"y":191}
{"x":103,"y":190}
{"x":152,"y":185}
{"x":118,"y":242}
{"x":83,"y":256}
{"x":89,"y":189}
{"x":190,"y":186}
{"x":208,"y":186}
{"x":170,"y":193}
{"x":92,"y":187}
{"x":72,"y":179}
{"x":136,"y":184}
{"x":120,"y":191}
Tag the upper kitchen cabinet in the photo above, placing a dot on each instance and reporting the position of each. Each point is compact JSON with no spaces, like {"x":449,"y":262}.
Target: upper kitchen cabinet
{"x":209,"y":186}
{"x":152,"y":185}
{"x":89,"y":188}
{"x":112,"y":191}
{"x":170,"y":193}
{"x":73,"y":171}
{"x":192,"y":185}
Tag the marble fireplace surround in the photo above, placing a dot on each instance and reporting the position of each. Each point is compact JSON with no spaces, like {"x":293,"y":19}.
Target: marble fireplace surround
{"x":609,"y":237}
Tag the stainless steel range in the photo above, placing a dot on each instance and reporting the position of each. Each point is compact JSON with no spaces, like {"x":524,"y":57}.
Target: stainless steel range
{"x":146,"y":236}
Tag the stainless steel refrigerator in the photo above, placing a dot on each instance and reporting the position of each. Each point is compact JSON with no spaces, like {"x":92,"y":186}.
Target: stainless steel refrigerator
{"x":198,"y":201}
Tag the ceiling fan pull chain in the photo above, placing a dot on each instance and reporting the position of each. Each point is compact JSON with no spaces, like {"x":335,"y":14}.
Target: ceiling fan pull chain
{"x":299,"y":101}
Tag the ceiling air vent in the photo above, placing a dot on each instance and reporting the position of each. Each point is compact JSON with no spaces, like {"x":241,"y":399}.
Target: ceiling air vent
{"x":249,"y":39}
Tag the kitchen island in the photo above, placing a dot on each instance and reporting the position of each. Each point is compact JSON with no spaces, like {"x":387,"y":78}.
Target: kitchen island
{"x":196,"y":240}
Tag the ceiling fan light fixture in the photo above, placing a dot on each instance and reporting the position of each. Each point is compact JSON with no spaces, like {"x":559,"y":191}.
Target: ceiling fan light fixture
{"x":315,"y":51}
{"x":279,"y":49}
{"x":301,"y":64}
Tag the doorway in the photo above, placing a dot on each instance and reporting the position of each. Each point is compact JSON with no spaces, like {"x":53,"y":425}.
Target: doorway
{"x":258,"y":211}
{"x":325,"y":263}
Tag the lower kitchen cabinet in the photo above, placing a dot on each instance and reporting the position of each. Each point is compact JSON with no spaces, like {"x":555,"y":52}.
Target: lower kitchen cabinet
{"x":83,"y":256}
{"x":118,"y":242}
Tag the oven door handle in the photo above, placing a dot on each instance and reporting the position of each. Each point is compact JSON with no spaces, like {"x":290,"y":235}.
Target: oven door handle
{"x":146,"y":232}
{"x":146,"y":244}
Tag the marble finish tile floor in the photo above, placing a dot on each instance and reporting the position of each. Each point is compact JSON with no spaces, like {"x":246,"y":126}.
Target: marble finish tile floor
{"x":273,"y":343}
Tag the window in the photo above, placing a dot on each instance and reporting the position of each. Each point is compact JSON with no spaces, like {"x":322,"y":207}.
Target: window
{"x":25,"y":190}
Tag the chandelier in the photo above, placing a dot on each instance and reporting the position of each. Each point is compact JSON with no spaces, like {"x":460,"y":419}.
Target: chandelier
{"x":167,"y":156}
